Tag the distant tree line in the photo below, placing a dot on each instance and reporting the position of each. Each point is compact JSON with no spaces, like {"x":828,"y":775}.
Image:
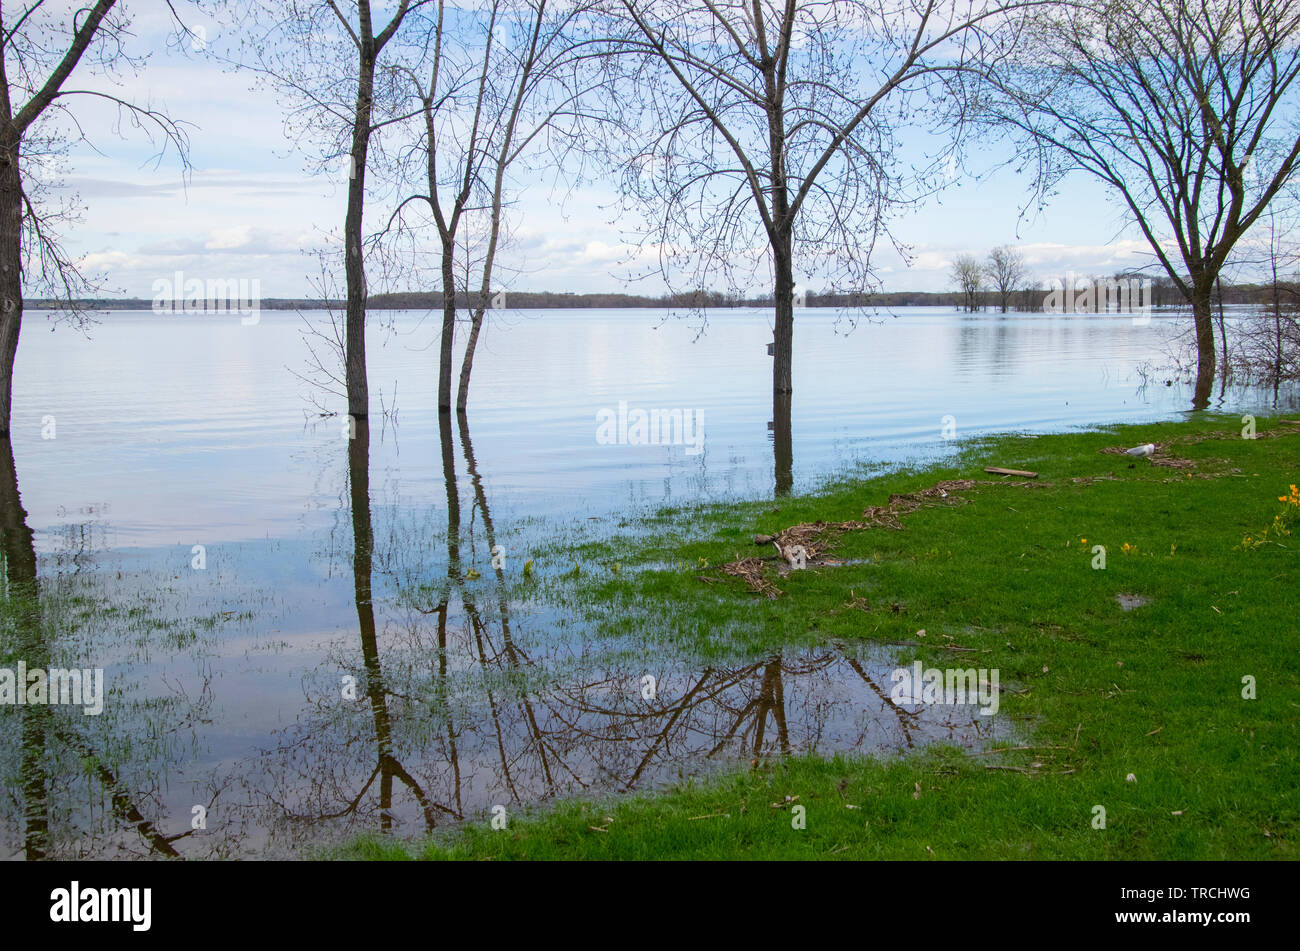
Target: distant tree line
{"x":1025,"y":299}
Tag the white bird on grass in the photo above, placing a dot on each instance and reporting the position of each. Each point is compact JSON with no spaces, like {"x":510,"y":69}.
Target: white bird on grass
{"x":1143,"y":451}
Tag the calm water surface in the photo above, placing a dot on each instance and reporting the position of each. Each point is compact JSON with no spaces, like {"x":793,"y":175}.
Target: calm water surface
{"x":326,"y":563}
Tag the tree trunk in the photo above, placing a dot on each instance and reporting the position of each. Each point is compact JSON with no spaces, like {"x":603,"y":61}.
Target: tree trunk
{"x":782,"y":443}
{"x":467,"y":364}
{"x":477,"y":310}
{"x":1223,"y":325}
{"x":1203,"y":320}
{"x":448,"y":327}
{"x":1223,"y":339}
{"x":784,"y":331}
{"x":782,"y":374}
{"x":354,"y":264}
{"x":11,"y":291}
{"x":1277,"y":328}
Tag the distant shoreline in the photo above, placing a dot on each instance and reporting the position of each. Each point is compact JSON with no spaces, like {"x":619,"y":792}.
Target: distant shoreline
{"x":530,"y":300}
{"x":1028,"y":300}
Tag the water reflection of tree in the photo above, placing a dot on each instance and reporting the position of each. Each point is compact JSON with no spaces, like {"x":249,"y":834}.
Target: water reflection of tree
{"x":467,"y":712}
{"x":388,"y":766}
{"x":23,"y":607}
{"x":54,"y":754}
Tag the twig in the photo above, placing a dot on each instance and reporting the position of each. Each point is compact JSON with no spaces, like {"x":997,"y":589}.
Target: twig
{"x":1008,"y":749}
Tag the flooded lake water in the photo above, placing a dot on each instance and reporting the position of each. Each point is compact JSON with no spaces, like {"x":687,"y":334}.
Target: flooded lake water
{"x":242,"y":567}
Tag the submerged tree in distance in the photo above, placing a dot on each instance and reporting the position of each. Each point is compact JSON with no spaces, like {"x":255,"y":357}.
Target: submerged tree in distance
{"x":1005,"y":269}
{"x":40,"y":49}
{"x":968,"y":274}
{"x":1170,"y":103}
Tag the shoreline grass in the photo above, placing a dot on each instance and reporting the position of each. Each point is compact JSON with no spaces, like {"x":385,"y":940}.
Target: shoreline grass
{"x":1108,"y":690}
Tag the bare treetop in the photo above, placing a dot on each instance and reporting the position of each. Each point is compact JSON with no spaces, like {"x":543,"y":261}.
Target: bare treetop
{"x":51,"y":55}
{"x":786,"y":117}
{"x":1190,"y":112}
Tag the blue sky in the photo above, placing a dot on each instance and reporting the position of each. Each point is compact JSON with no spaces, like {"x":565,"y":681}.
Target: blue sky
{"x":252,"y":210}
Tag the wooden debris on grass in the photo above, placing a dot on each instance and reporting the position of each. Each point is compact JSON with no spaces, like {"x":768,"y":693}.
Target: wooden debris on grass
{"x":1162,"y":458}
{"x":1089,"y":480}
{"x":750,"y":571}
{"x":1206,"y":475}
{"x":816,"y":538}
{"x":1191,"y":439}
{"x":860,"y":603}
{"x":941,"y":493}
{"x":1023,"y":473}
{"x":1157,"y":458}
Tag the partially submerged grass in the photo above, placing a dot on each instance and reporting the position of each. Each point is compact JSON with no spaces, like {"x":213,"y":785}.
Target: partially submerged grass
{"x":996,"y":576}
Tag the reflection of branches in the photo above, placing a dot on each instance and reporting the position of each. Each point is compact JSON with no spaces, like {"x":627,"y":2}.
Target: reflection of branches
{"x":905,"y":717}
{"x":24,"y":603}
{"x":123,"y":806}
{"x":501,"y":714}
{"x":589,"y":730}
{"x":39,"y":724}
{"x":663,"y":734}
{"x":509,"y":650}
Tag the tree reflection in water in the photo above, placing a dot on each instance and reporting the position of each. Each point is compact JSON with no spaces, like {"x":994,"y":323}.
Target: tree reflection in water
{"x":467,"y":711}
{"x":65,"y":762}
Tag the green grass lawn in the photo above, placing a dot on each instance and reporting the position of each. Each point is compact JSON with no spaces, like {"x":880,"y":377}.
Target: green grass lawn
{"x":1099,"y":693}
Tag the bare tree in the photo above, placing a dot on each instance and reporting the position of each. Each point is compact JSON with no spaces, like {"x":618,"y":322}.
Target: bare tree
{"x":548,"y":78}
{"x":493,"y":86}
{"x":968,"y":274}
{"x":40,"y":49}
{"x":1168,"y":103}
{"x":772,"y":145}
{"x":1006,"y":269}
{"x":324,"y":55}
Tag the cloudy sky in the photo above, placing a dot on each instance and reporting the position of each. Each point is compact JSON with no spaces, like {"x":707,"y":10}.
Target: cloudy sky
{"x":251,"y":207}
